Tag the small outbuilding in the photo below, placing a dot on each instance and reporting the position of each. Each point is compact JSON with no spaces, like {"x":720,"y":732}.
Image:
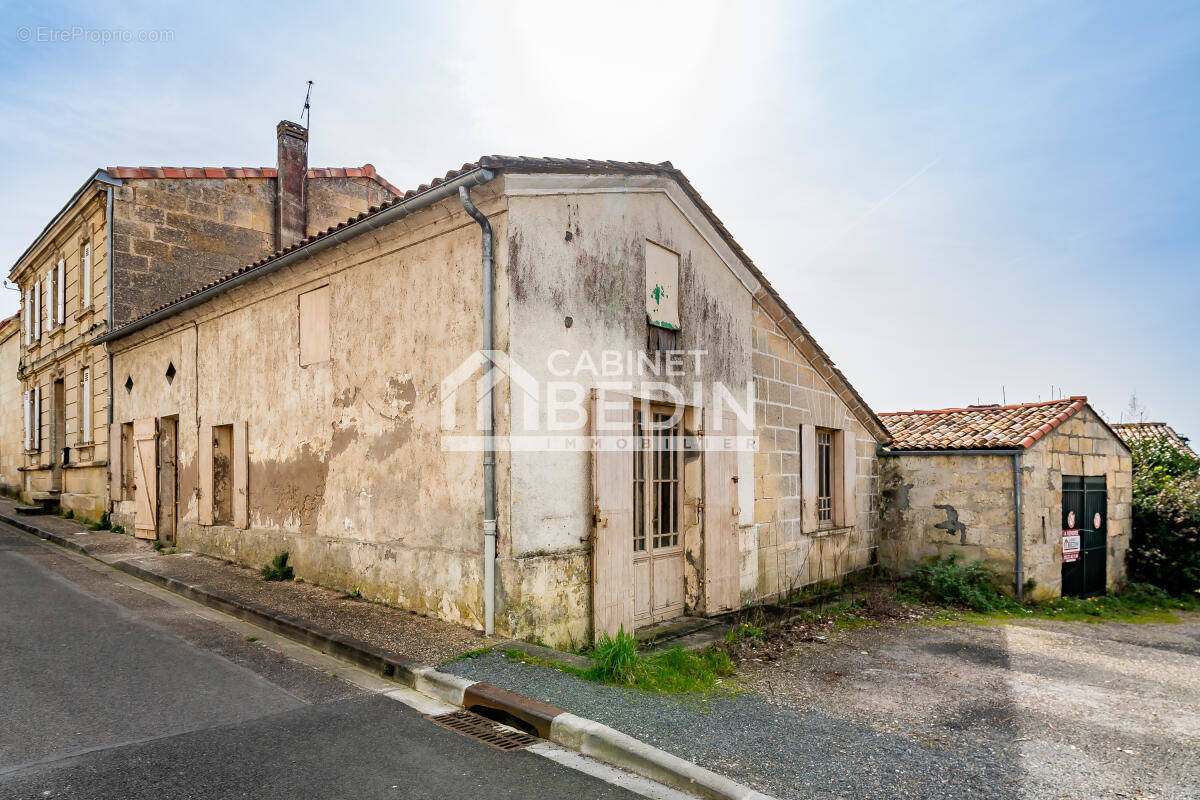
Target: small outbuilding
{"x":1134,"y":432}
{"x":1040,"y":491}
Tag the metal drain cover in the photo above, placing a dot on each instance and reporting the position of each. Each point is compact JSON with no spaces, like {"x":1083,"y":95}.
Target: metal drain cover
{"x":483,"y":729}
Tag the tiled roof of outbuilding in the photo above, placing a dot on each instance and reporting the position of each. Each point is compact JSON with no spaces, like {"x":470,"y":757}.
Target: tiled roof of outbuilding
{"x":581,"y":166}
{"x":979,"y":427}
{"x":1133,"y":432}
{"x":365,"y":171}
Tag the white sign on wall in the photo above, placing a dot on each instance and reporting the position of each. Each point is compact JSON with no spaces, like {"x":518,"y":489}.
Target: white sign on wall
{"x":1070,"y":546}
{"x":662,"y":287}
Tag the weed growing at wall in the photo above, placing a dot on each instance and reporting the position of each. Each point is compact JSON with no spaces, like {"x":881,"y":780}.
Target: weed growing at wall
{"x":278,"y":569}
{"x":944,"y":581}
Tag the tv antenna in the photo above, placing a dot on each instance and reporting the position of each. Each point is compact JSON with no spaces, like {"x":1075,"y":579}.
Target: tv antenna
{"x":306,"y":112}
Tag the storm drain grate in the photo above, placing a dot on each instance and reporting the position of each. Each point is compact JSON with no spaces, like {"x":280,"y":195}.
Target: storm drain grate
{"x":483,"y":729}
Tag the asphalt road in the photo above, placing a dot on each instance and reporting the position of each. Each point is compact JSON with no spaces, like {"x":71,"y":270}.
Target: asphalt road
{"x":108,"y":690}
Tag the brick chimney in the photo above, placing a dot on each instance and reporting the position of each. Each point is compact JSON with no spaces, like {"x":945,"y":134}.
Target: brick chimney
{"x":290,"y":217}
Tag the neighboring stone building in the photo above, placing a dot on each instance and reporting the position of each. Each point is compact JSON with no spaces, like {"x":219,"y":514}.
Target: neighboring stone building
{"x":12,"y":453}
{"x":311,"y":402}
{"x":1131,"y":432}
{"x":165,"y":231}
{"x":949,"y":488}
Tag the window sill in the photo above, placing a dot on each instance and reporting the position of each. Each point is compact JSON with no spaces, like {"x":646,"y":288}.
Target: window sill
{"x":821,"y":533}
{"x":85,"y":464}
{"x":35,"y":468}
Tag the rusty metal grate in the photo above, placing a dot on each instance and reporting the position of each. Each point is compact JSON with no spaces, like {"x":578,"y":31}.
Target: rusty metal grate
{"x":483,"y":729}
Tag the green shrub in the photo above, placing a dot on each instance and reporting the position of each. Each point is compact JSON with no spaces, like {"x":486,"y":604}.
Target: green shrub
{"x":118,"y":529}
{"x":278,"y":569}
{"x":945,"y":581}
{"x":104,"y":524}
{"x":1164,"y":549}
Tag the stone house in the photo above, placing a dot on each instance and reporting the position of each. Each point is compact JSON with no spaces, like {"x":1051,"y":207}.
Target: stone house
{"x":12,"y":452}
{"x":666,"y":437}
{"x":1040,"y":491}
{"x":1131,"y":432}
{"x":164,"y":231}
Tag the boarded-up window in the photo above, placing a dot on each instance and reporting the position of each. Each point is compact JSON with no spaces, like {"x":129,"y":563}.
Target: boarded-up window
{"x":222,"y":474}
{"x":314,"y":326}
{"x":662,"y":287}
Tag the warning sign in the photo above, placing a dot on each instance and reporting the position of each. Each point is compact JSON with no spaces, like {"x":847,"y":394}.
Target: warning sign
{"x":1070,"y":546}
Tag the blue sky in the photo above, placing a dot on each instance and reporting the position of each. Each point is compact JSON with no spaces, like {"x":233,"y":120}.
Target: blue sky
{"x":954,"y":197}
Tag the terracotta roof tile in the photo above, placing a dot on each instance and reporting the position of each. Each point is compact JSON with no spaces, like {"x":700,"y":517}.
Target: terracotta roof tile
{"x":979,"y":427}
{"x":1133,"y":432}
{"x":365,"y":171}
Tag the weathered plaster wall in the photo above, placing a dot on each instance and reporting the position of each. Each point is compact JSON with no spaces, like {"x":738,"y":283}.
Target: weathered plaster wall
{"x":939,"y":504}
{"x":346,"y":468}
{"x":582,"y":255}
{"x":778,"y":554}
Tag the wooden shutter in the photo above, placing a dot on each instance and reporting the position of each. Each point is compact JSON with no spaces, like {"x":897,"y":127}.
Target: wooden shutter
{"x":60,"y":285}
{"x":612,"y":514}
{"x":721,"y":563}
{"x":241,"y":469}
{"x":27,"y":313}
{"x":116,"y":482}
{"x":847,"y":506}
{"x":28,"y":419}
{"x":205,"y":457}
{"x":37,"y":309}
{"x":49,"y":291}
{"x":145,"y":459}
{"x":808,"y":476}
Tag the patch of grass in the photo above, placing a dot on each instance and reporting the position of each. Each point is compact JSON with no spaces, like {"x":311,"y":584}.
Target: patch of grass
{"x":476,"y":653}
{"x":944,"y":581}
{"x":251,"y":638}
{"x":1137,"y":602}
{"x":158,"y":546}
{"x":118,"y":529}
{"x":278,"y":569}
{"x":104,"y":524}
{"x":67,"y":513}
{"x":355,"y":595}
{"x":674,"y":671}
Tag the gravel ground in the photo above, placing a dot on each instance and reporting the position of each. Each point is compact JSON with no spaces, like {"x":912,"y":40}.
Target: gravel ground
{"x":1036,"y":710}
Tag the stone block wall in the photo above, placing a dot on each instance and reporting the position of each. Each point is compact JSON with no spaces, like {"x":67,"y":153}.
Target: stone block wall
{"x":778,"y":554}
{"x":1085,"y":446}
{"x":935,"y":505}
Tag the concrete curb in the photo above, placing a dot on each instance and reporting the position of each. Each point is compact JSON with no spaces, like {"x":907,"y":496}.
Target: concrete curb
{"x":565,"y":729}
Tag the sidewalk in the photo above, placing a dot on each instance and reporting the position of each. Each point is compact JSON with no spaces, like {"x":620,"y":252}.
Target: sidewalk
{"x":388,"y":629}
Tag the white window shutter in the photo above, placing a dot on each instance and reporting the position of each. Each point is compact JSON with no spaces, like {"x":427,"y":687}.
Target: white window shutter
{"x":37,"y":418}
{"x":37,"y":309}
{"x":27,"y":313}
{"x":25,"y":403}
{"x":60,"y":283}
{"x":85,"y":420}
{"x":85,"y":279}
{"x":49,"y":292}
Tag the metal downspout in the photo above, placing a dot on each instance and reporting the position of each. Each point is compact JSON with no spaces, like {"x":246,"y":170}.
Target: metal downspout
{"x":108,"y":301}
{"x":1020,"y":570}
{"x":489,"y":452}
